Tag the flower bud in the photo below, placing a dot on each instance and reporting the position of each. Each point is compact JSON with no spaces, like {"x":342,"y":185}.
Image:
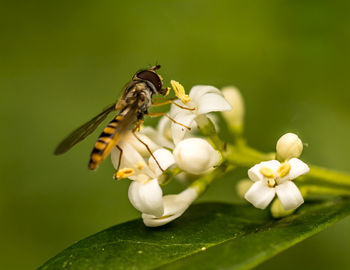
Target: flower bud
{"x":289,"y":146}
{"x":234,"y":117}
{"x":277,"y":210}
{"x":195,"y":155}
{"x":243,"y":186}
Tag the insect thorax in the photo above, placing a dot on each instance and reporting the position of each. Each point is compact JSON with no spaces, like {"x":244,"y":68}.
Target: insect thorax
{"x":141,"y":93}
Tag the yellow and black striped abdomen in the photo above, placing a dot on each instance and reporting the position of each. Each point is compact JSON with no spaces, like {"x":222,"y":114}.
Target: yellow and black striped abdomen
{"x":106,"y":142}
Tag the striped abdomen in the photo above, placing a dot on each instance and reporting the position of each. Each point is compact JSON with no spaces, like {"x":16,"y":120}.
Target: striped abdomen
{"x":106,"y":142}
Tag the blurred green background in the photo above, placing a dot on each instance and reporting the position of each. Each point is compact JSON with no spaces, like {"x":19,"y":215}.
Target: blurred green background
{"x":61,"y":62}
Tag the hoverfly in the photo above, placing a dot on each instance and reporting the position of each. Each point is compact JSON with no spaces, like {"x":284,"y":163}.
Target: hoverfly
{"x":133,"y":105}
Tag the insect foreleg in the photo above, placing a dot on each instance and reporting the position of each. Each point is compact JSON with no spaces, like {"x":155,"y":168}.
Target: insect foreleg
{"x":170,"y":118}
{"x":171,"y":101}
{"x":148,"y":149}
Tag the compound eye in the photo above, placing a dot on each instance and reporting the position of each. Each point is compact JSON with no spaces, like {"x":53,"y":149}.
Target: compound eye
{"x":152,"y":77}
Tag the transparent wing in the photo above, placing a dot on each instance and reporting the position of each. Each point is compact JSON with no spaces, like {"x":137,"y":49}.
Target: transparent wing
{"x":83,"y":131}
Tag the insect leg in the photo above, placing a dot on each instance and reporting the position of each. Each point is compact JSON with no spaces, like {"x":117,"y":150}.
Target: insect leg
{"x":167,"y":115}
{"x":119,"y":161}
{"x":120,"y":156}
{"x":148,"y":149}
{"x":171,"y":101}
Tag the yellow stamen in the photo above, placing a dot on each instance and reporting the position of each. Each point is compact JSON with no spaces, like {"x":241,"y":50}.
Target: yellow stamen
{"x":124,"y":173}
{"x":180,"y":91}
{"x":284,"y":169}
{"x":267,"y":172}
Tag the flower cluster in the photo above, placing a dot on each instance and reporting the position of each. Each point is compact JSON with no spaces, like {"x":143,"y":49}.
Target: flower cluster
{"x":173,"y":147}
{"x":275,"y":177}
{"x":185,"y":145}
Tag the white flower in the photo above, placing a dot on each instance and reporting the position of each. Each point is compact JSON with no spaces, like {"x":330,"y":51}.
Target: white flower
{"x":203,"y":99}
{"x":289,"y":146}
{"x":195,"y":156}
{"x":235,"y":116}
{"x":174,"y":206}
{"x":145,"y":193}
{"x":272,"y":177}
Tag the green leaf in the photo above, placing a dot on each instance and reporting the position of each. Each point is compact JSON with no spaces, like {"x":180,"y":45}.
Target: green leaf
{"x":209,"y":235}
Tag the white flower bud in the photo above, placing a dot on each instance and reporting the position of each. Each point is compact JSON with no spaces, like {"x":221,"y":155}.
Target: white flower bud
{"x":195,"y":155}
{"x":289,"y":146}
{"x":235,"y":116}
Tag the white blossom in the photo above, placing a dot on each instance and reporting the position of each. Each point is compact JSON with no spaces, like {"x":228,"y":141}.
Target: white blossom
{"x":195,"y":156}
{"x":271,"y":178}
{"x":145,"y":194}
{"x":174,"y":206}
{"x":203,"y":99}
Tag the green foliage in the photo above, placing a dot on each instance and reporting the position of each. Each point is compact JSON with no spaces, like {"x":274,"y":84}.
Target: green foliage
{"x":209,"y":235}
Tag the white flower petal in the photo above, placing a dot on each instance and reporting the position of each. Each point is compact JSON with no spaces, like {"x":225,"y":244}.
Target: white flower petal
{"x":198,"y":91}
{"x":297,"y":169}
{"x":174,"y":110}
{"x":129,"y":159}
{"x":260,"y":195}
{"x":177,"y":131}
{"x":195,"y":155}
{"x":165,"y":159}
{"x":211,"y":102}
{"x":139,"y":146}
{"x":254,"y":172}
{"x":164,"y":125}
{"x":174,"y":206}
{"x":289,"y":195}
{"x":162,"y":135}
{"x":147,"y":197}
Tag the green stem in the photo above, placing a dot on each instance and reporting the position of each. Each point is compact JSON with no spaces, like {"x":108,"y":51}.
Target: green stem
{"x":309,"y":190}
{"x":329,"y":176}
{"x":202,"y":183}
{"x":245,"y":156}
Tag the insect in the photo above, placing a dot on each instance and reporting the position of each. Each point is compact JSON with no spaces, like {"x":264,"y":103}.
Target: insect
{"x":133,"y":105}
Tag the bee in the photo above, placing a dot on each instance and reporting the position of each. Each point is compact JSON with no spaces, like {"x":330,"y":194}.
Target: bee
{"x":132,"y":105}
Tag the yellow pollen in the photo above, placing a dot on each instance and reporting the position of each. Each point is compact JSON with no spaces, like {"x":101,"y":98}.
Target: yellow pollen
{"x":267,"y":172}
{"x":284,"y":169}
{"x":124,"y":173}
{"x":180,"y":91}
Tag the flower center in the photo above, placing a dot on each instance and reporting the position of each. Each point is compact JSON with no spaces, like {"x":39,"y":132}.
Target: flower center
{"x":180,"y":91}
{"x":268,"y":173}
{"x":282,"y":171}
